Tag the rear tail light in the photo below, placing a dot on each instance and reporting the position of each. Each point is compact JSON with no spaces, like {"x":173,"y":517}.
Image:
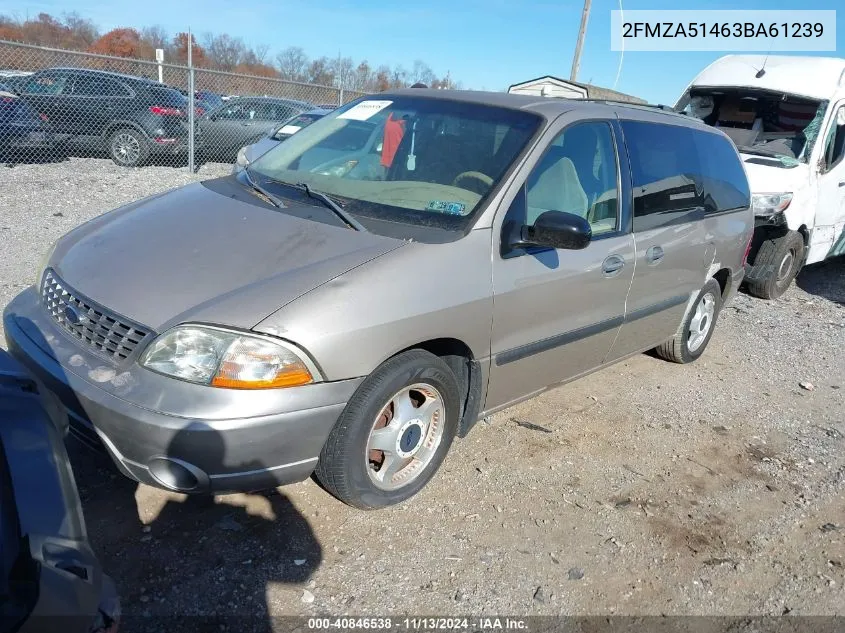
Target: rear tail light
{"x":43,"y":116}
{"x":199,"y":111}
{"x":165,"y":111}
{"x":164,"y":141}
{"x":7,"y":99}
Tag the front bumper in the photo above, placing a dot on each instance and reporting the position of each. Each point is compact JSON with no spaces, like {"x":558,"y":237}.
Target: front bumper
{"x":169,"y":433}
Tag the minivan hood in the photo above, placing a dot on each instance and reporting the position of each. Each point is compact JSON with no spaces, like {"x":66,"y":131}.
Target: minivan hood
{"x":767,"y":176}
{"x":195,"y":255}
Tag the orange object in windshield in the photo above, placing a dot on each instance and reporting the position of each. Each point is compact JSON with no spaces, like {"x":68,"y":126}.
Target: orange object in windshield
{"x":394,"y":130}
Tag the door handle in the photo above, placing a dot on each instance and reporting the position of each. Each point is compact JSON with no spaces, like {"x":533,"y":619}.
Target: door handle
{"x":247,"y":124}
{"x":612,"y":264}
{"x":842,"y":184}
{"x":654,"y":255}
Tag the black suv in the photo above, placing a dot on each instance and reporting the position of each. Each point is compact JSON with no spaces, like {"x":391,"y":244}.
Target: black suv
{"x":90,"y":111}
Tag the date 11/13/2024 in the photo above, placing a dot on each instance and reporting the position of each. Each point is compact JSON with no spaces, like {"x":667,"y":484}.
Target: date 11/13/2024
{"x":419,"y":624}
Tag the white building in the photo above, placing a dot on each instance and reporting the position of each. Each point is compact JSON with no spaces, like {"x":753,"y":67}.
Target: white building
{"x":549,"y":86}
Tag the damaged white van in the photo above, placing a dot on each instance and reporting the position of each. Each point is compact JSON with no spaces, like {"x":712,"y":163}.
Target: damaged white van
{"x":786,"y":114}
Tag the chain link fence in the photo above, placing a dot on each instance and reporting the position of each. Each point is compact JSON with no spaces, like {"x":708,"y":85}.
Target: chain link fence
{"x":56,"y":103}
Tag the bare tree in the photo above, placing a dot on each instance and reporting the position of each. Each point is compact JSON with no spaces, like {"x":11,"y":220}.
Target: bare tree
{"x":320,"y":72}
{"x":343,"y":69}
{"x":421,"y":72}
{"x":155,"y":36}
{"x":292,"y":63}
{"x":381,"y":81}
{"x":260,"y":53}
{"x":362,"y":78}
{"x":398,"y":77}
{"x":224,"y":51}
{"x":83,"y":30}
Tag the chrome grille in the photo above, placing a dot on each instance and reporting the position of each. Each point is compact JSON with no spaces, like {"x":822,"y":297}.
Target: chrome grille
{"x":103,"y":332}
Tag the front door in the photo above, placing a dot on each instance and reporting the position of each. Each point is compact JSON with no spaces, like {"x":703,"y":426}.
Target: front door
{"x":557,"y":312}
{"x":829,"y":232}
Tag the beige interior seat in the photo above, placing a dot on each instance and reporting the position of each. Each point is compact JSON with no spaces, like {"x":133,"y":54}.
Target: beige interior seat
{"x":556,"y":188}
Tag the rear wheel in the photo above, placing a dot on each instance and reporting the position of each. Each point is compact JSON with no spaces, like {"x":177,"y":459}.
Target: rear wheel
{"x":393,"y":434}
{"x":695,"y":331}
{"x":776,"y":263}
{"x":128,"y":147}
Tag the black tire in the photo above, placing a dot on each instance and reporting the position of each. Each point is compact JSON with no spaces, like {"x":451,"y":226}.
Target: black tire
{"x":677,"y":349}
{"x":128,"y":147}
{"x":776,"y":263}
{"x":344,"y":462}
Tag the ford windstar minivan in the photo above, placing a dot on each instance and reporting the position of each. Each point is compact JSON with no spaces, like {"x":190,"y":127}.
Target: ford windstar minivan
{"x":351,"y":315}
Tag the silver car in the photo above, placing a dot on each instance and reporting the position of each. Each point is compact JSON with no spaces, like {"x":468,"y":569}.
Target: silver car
{"x":249,"y":153}
{"x":247,"y":331}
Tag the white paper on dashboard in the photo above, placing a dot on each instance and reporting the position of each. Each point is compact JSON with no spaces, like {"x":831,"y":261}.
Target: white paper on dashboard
{"x":364,"y":110}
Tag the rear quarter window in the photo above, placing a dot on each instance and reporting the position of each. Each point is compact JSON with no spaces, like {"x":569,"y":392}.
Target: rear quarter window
{"x":678,"y":172}
{"x":724,"y":179}
{"x":166,"y":96}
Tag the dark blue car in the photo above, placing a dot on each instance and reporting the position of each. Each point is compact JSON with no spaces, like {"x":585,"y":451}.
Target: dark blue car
{"x":23,"y":131}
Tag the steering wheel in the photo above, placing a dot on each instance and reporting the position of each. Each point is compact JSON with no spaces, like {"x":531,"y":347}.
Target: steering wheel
{"x":477,"y":175}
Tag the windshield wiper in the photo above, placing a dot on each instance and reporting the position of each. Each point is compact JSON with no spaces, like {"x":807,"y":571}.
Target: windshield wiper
{"x":267,"y":195}
{"x":334,"y":206}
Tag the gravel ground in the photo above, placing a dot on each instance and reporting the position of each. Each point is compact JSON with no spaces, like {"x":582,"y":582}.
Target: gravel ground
{"x":651,"y":488}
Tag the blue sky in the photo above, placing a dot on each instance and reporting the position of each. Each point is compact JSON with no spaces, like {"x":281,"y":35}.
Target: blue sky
{"x":486,"y":44}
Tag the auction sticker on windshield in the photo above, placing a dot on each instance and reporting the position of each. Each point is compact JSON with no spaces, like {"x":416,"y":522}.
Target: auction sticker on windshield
{"x":290,"y":129}
{"x":364,"y":110}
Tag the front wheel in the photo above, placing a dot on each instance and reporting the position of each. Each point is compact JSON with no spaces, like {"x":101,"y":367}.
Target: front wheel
{"x":128,"y":147}
{"x":776,"y":263}
{"x":695,"y":331}
{"x":393,"y":434}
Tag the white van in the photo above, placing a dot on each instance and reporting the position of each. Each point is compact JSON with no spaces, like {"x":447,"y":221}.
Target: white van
{"x":786,"y":114}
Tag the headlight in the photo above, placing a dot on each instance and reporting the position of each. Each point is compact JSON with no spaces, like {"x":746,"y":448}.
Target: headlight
{"x":770,"y":203}
{"x":223,"y":358}
{"x":45,"y":261}
{"x":339,"y":170}
{"x":242,"y":160}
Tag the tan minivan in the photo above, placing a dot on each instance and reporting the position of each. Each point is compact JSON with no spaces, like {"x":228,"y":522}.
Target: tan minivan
{"x":368,"y":289}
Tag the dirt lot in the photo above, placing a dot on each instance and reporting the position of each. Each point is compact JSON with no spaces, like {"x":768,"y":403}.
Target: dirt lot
{"x":648,"y":488}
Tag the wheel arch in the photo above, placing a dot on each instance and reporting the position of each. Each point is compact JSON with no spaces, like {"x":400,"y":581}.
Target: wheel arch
{"x":113,"y":126}
{"x":725,"y":278}
{"x":467,"y":370}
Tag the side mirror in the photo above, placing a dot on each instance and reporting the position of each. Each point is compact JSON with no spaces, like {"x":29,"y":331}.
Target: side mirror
{"x":557,"y":229}
{"x":840,"y":116}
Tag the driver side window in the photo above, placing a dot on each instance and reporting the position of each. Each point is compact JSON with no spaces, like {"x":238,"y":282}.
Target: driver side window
{"x":834,"y":147}
{"x":577,"y":174}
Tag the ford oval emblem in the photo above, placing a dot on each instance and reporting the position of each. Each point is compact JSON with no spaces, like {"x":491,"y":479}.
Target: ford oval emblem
{"x":73,"y":316}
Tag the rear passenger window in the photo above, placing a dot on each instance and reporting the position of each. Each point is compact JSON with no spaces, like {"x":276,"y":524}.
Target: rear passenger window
{"x":665,"y":170}
{"x":94,"y":86}
{"x":46,"y":83}
{"x":677,"y":170}
{"x":725,"y":183}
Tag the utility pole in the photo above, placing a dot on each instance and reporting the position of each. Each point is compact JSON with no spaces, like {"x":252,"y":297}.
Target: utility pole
{"x":576,"y":60}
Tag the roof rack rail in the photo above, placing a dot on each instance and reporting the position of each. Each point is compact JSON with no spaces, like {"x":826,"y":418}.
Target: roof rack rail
{"x":659,"y":106}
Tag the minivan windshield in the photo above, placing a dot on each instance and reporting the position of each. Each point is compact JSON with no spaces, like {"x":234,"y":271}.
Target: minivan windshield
{"x":765,"y":123}
{"x":404,"y":158}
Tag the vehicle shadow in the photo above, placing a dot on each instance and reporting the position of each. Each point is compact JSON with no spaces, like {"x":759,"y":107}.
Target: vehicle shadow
{"x":188,"y":562}
{"x":826,"y":279}
{"x":192,"y":562}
